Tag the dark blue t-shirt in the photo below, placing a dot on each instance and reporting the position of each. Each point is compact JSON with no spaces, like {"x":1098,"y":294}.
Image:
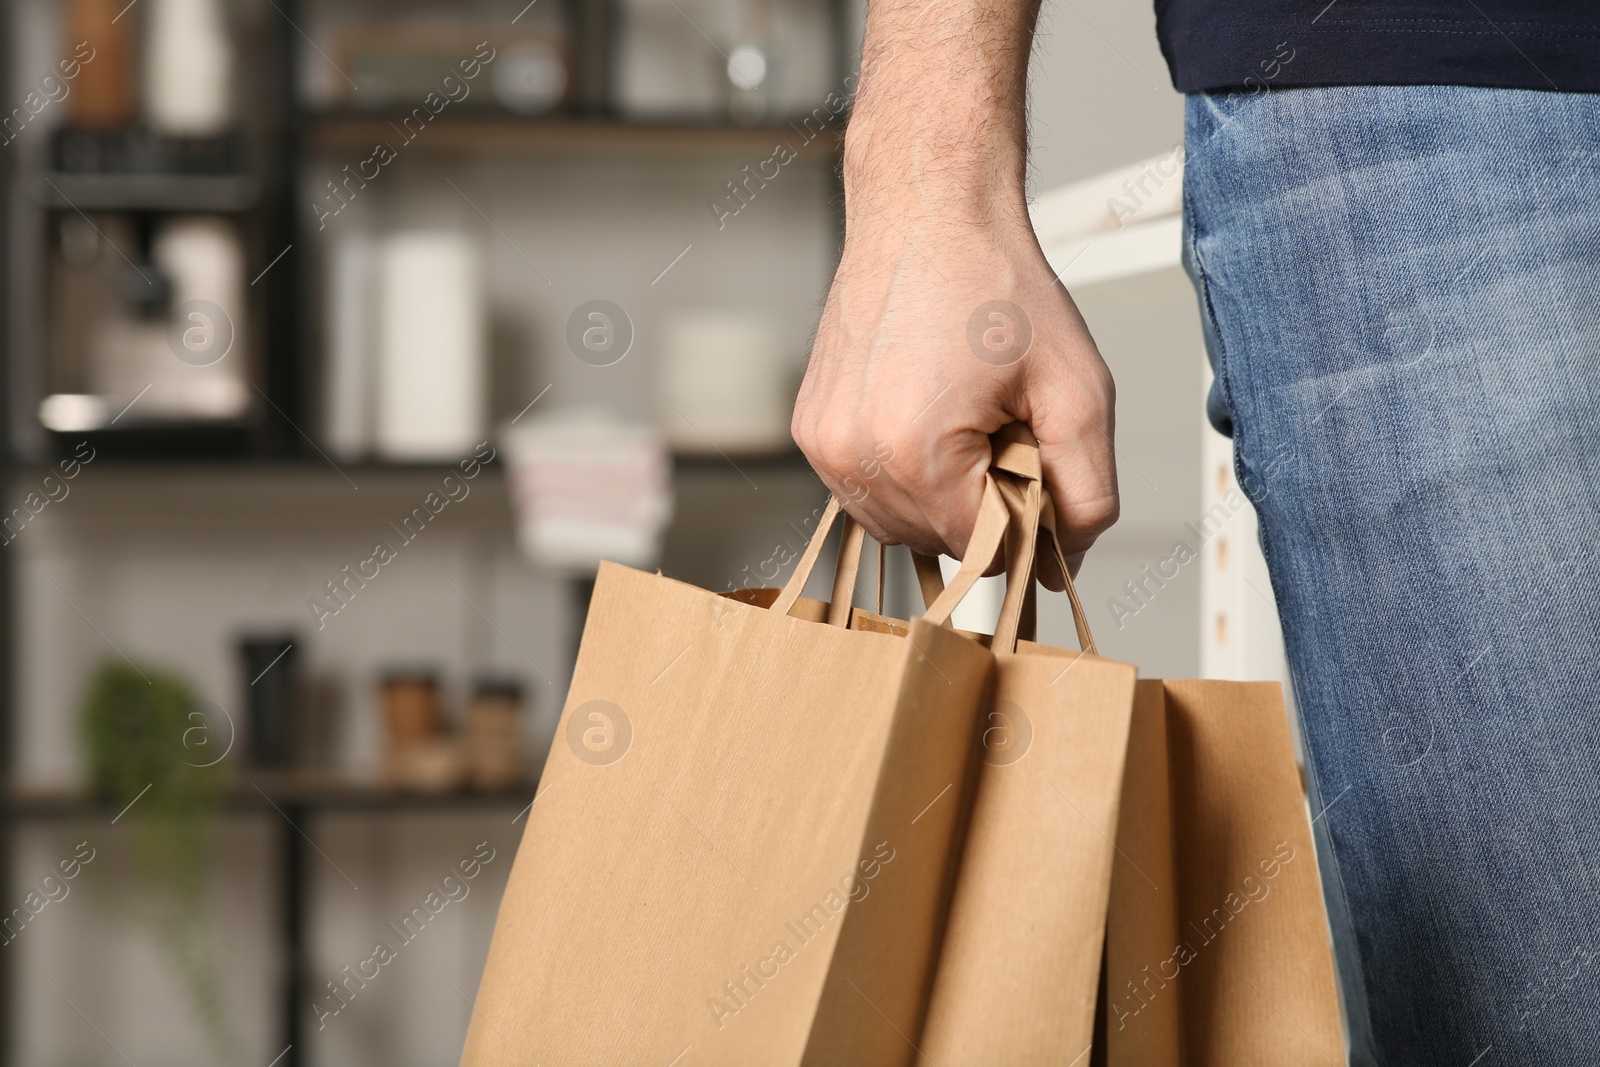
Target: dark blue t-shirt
{"x":1249,"y":45}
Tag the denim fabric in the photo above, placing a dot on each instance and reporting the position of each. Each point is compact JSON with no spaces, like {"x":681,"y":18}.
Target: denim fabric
{"x":1401,"y":287}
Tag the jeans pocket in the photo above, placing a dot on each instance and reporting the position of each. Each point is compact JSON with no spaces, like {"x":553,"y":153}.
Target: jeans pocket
{"x":1218,"y":409}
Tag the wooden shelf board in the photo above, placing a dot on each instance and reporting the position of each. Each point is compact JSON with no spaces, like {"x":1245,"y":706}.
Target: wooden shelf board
{"x":147,"y":192}
{"x":356,"y":132}
{"x":252,"y":791}
{"x":732,"y":462}
{"x":314,"y":465}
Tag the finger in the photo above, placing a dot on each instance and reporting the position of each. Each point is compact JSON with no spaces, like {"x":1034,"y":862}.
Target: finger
{"x":924,"y":492}
{"x":884,"y":510}
{"x":936,"y":481}
{"x":1079,"y":461}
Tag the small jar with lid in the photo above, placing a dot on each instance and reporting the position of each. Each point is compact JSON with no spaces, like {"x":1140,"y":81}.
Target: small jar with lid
{"x":493,"y":742}
{"x":417,"y":754}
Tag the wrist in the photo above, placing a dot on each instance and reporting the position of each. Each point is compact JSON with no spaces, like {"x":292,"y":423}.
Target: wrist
{"x":969,"y":170}
{"x":939,"y":127}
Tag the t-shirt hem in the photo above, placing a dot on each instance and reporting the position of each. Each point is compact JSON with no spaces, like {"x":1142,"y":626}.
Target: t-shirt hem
{"x":1248,"y":56}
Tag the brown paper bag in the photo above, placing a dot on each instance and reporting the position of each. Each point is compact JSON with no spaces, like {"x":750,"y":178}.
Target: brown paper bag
{"x":1019,"y":969}
{"x":1142,"y":918}
{"x":1196,"y":783}
{"x":1227,"y":961}
{"x":740,"y":850}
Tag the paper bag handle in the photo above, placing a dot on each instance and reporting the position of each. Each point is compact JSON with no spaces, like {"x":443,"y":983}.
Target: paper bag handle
{"x":1030,"y":528}
{"x":988,"y":533}
{"x":851,"y":540}
{"x":852,"y":543}
{"x":987,"y":537}
{"x":1031,"y":508}
{"x":1035,"y":514}
{"x":1080,"y":618}
{"x":1014,"y":453}
{"x":1017,"y":618}
{"x":1014,"y":512}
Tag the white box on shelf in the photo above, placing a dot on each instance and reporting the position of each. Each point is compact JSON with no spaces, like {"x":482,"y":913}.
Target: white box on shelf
{"x":347,"y":370}
{"x":432,"y":340}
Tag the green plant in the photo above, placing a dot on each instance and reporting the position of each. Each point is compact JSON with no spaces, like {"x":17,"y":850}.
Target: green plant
{"x":138,"y":726}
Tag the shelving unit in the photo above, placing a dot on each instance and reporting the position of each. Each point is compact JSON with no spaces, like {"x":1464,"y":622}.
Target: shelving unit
{"x":300,"y":799}
{"x":271,"y":440}
{"x":244,"y":175}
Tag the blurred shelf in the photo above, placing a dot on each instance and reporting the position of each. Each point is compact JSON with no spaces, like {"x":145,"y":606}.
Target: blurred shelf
{"x":297,"y":463}
{"x":148,"y":192}
{"x":359,"y":132}
{"x":217,"y":440}
{"x":264,"y":790}
{"x":310,"y":462}
{"x":184,"y":443}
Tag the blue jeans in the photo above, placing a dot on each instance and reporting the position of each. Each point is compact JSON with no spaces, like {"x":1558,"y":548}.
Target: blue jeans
{"x":1401,"y":289}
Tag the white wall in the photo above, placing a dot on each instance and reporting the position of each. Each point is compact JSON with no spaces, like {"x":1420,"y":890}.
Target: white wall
{"x":1100,"y":96}
{"x":1148,"y":330}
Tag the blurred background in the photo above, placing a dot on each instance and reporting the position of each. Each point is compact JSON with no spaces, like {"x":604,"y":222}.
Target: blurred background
{"x":341,"y":338}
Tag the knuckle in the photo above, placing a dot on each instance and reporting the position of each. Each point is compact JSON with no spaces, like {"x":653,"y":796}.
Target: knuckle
{"x":1108,"y":515}
{"x":800,"y":430}
{"x":1108,"y":389}
{"x":1095,"y":516}
{"x":828,"y":443}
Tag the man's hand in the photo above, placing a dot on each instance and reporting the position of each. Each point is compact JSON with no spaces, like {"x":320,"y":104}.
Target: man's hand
{"x":944,"y":322}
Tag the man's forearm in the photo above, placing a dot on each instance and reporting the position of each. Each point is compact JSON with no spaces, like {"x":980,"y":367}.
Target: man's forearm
{"x":944,"y":322}
{"x":939,"y":125}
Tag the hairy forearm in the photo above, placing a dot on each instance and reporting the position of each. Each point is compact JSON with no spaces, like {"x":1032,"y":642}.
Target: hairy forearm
{"x":944,"y":322}
{"x":939,"y":126}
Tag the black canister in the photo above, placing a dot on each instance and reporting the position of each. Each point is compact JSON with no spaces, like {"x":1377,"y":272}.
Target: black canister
{"x":271,"y":693}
